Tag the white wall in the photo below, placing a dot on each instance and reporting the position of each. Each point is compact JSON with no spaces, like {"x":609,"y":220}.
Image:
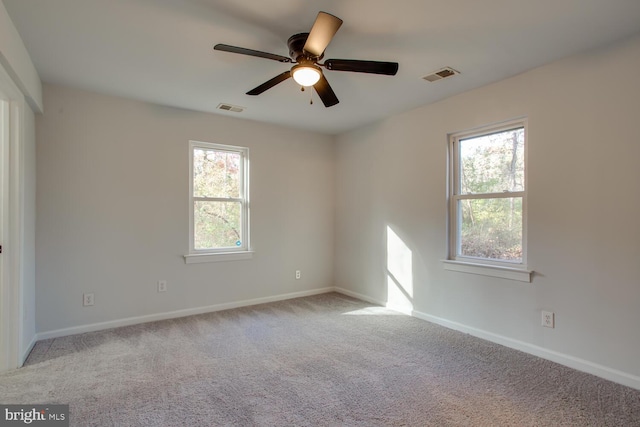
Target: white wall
{"x":112,"y":197}
{"x":584,"y":204}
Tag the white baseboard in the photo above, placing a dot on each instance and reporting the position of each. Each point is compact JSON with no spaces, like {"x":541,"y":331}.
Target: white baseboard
{"x":25,"y":353}
{"x":173,"y":314}
{"x":359,"y":296}
{"x":561,"y":358}
{"x":576,"y":363}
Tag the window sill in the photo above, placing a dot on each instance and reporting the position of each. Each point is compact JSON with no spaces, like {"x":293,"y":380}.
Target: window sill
{"x":512,"y":273}
{"x":217,"y":257}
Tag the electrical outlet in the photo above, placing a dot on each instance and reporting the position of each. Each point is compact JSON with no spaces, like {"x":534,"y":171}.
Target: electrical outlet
{"x":162,"y":285}
{"x":87,"y":300}
{"x":548,"y":319}
{"x":297,"y":274}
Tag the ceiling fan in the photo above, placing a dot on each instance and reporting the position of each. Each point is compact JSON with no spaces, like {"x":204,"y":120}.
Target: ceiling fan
{"x":306,"y":50}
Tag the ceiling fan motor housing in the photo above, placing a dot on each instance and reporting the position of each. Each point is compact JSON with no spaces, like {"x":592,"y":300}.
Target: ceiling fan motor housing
{"x":296,"y":48}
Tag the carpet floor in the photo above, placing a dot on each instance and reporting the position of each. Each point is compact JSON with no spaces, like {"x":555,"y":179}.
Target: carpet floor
{"x":326,"y":360}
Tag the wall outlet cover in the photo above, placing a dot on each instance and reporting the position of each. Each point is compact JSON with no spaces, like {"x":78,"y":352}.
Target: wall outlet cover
{"x":87,"y":300}
{"x":548,"y":319}
{"x":162,"y":285}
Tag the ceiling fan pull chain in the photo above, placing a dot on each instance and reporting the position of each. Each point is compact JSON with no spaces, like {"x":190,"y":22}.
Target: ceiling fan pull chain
{"x":310,"y":97}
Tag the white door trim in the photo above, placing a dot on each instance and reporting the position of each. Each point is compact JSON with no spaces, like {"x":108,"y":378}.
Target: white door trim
{"x":11,"y":205}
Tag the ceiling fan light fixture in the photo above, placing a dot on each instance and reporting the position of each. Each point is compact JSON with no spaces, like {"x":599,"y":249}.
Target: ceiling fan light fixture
{"x":306,"y":74}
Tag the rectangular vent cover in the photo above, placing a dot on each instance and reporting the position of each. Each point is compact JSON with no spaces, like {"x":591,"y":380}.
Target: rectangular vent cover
{"x":229,"y":107}
{"x":441,"y":74}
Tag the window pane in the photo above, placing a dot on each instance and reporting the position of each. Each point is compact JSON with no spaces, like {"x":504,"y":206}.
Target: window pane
{"x":491,"y":228}
{"x":216,"y":173}
{"x":217,"y":225}
{"x":492,"y":163}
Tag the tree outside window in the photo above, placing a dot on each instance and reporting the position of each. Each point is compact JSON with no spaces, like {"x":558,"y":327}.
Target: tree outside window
{"x":488,"y":195}
{"x":218,"y":198}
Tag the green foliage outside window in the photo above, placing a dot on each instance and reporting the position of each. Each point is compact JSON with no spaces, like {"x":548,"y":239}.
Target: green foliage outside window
{"x":491,"y":166}
{"x":217,"y":178}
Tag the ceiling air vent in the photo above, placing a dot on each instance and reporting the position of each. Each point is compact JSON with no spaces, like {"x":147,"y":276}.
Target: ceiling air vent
{"x":441,"y":74}
{"x":229,"y":107}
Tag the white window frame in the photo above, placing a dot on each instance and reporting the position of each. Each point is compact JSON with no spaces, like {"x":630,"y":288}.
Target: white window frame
{"x":514,"y":270}
{"x":228,"y":253}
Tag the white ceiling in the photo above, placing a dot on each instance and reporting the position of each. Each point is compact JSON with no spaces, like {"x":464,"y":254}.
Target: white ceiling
{"x":161,"y":50}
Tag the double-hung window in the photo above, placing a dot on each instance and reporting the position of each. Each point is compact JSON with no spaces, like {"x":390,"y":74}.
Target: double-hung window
{"x":219,"y":205}
{"x":487,"y":200}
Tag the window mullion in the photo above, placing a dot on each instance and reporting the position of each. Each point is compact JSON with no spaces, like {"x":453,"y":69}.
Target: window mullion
{"x":505,"y":195}
{"x":217,"y":199}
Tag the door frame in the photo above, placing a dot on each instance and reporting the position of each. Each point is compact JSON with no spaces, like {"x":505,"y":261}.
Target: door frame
{"x":11,"y":224}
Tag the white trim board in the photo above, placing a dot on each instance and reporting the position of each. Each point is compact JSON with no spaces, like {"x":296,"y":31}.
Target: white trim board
{"x":11,"y":222}
{"x":27,"y":351}
{"x":174,"y":314}
{"x":361,"y":297}
{"x":576,"y":363}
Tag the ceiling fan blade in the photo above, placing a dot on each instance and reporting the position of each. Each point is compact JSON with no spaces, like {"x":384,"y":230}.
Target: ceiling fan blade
{"x":251,"y":52}
{"x":373,"y":67}
{"x":270,"y":83}
{"x":326,"y":94}
{"x":321,"y":33}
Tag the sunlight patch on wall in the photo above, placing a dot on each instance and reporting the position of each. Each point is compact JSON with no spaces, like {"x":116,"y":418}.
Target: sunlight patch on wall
{"x":399,"y":273}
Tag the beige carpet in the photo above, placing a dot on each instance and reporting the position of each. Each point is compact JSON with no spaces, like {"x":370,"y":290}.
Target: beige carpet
{"x":326,"y":360}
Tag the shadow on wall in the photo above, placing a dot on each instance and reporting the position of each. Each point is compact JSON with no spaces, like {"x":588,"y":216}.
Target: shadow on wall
{"x":399,"y":271}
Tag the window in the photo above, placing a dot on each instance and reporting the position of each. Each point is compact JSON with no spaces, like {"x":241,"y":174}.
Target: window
{"x":219,"y":209}
{"x":488,"y":196}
